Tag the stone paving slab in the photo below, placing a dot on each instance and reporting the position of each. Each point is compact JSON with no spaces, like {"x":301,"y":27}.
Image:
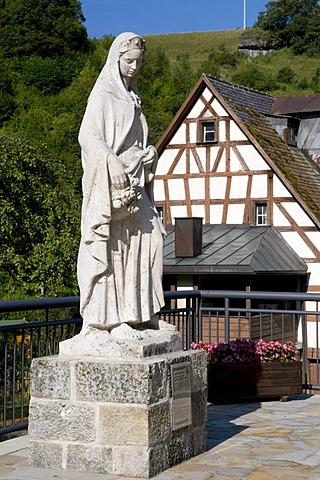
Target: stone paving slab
{"x":250,"y":441}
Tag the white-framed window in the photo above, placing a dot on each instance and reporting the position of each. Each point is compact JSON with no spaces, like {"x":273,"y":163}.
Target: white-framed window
{"x":207,"y":131}
{"x":261,"y":214}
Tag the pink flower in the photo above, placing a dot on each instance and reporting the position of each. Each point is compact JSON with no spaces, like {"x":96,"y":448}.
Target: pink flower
{"x":248,"y":351}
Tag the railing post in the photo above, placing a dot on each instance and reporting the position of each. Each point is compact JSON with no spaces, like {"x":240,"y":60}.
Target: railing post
{"x":192,"y":307}
{"x":199,"y":316}
{"x":227,"y":319}
{"x":304,"y":331}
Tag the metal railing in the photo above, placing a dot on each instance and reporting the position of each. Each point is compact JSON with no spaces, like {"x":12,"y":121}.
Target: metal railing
{"x":45,"y":322}
{"x":198,"y":315}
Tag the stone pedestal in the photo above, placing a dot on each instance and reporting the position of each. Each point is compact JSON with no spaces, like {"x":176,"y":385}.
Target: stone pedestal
{"x":114,"y":416}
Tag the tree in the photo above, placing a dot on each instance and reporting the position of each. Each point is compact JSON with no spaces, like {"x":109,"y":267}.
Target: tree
{"x":42,"y":27}
{"x":39,"y":229}
{"x":7,"y":101}
{"x":293,"y":23}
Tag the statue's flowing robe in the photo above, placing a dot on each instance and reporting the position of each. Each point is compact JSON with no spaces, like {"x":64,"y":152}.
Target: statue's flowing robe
{"x":119,"y":261}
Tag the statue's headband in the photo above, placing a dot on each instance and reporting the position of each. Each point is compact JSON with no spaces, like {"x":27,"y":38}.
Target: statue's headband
{"x":135,"y":43}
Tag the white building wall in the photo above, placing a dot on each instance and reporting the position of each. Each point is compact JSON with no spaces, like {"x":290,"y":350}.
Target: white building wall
{"x":196,"y":188}
{"x":180,"y":136}
{"x":165,"y":161}
{"x":253,"y":158}
{"x":159,"y":194}
{"x":218,"y":187}
{"x":222,"y":131}
{"x":239,"y":184}
{"x":296,"y":212}
{"x":259,"y":186}
{"x":198,"y":211}
{"x":235,"y":214}
{"x":239,"y":187}
{"x":216,"y":214}
{"x":279,"y":190}
{"x":235,"y":132}
{"x":296,"y":242}
{"x":279,"y":220}
{"x":178,"y":211}
{"x":176,"y":189}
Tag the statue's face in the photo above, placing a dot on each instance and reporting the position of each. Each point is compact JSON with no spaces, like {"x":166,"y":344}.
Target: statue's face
{"x":130,"y":63}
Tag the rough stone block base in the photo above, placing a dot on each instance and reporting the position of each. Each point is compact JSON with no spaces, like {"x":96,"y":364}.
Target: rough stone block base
{"x":114,"y":416}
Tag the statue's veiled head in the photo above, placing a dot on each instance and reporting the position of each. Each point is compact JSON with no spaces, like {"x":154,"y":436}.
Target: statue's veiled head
{"x":127,"y":47}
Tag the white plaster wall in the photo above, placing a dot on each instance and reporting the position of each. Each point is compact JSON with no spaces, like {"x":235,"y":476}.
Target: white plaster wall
{"x":299,"y":216}
{"x":222,"y":163}
{"x":279,"y":220}
{"x":252,"y":158}
{"x":198,"y":211}
{"x":218,"y":108}
{"x":177,"y":212}
{"x":216,"y":214}
{"x":193,"y":132}
{"x":207,"y":94}
{"x":279,"y":190}
{"x":314,"y":269}
{"x":213,"y":155}
{"x":180,"y":167}
{"x":222,"y":131}
{"x":315,"y":238}
{"x":197,"y":188}
{"x":194,"y":168}
{"x":235,"y":165}
{"x":202,"y":155}
{"x":239,"y":186}
{"x":176,"y":189}
{"x":207,"y":114}
{"x":259,"y":187}
{"x":311,"y":332}
{"x":235,"y":132}
{"x":158,"y":190}
{"x":180,"y":136}
{"x":165,"y":161}
{"x":298,"y":245}
{"x":218,"y":187}
{"x":235,"y":214}
{"x":196,"y":110}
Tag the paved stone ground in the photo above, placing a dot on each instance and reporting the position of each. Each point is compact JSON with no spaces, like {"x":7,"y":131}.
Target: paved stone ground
{"x":252,"y":441}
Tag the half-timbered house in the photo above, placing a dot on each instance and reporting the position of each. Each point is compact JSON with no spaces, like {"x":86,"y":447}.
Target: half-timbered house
{"x":230,"y":159}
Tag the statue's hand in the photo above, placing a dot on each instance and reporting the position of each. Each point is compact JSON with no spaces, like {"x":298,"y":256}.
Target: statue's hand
{"x":118,"y":176}
{"x":151,"y":155}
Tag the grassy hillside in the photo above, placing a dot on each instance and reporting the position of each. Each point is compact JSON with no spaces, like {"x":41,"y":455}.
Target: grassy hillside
{"x":196,"y":45}
{"x":287,"y":74}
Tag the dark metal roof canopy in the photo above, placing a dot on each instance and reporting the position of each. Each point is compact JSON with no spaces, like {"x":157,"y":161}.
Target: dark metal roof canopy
{"x":236,"y":249}
{"x":296,"y":104}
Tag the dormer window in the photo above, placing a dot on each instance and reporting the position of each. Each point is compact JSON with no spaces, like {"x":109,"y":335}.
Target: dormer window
{"x":207,"y":130}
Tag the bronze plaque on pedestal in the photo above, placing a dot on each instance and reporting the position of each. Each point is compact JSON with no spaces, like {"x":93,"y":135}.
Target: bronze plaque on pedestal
{"x":181,"y":395}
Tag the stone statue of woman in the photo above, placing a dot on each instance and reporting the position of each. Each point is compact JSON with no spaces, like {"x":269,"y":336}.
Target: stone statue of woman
{"x":121,"y":249}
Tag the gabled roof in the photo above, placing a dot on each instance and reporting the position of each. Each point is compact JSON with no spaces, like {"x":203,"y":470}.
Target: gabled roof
{"x":236,"y":249}
{"x":250,"y":109}
{"x":237,"y":96}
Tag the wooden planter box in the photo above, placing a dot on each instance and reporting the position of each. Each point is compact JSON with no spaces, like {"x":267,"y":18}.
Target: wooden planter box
{"x":233,"y":382}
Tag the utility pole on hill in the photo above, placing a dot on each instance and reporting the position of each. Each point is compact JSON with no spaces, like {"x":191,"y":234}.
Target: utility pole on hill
{"x":244,"y":14}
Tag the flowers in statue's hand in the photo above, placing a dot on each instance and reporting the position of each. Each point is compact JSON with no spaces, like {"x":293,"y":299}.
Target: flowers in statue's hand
{"x":127,"y":198}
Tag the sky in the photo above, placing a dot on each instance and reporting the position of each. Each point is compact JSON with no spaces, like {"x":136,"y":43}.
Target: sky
{"x":149,"y":17}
